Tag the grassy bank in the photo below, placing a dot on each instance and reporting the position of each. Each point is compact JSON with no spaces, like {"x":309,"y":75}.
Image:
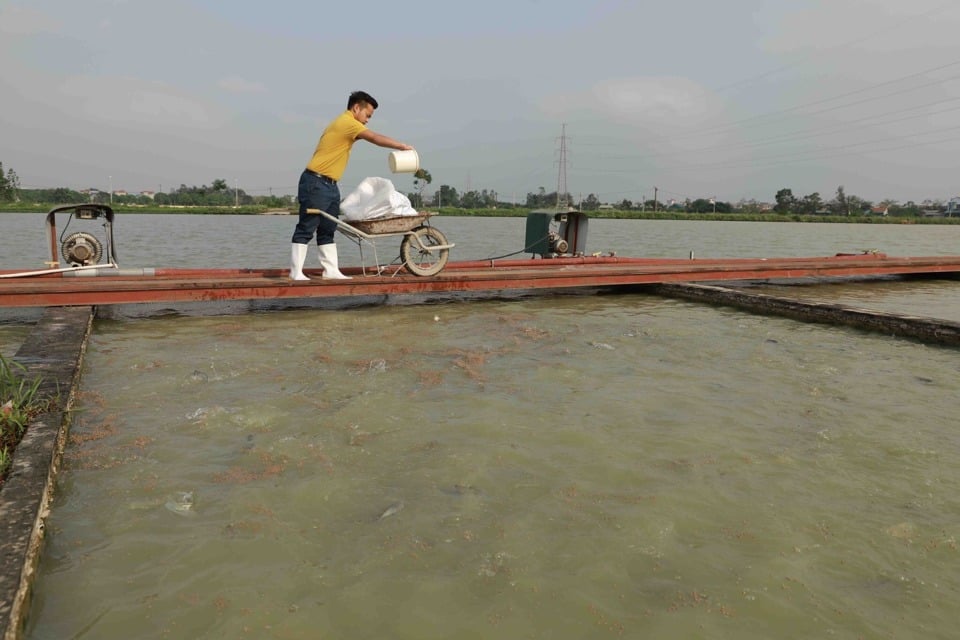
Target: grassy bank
{"x":20,"y":207}
{"x":19,"y":403}
{"x":520,"y":212}
{"x":716,"y":217}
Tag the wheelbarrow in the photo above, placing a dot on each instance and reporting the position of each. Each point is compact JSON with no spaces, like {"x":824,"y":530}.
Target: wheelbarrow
{"x":423,"y":249}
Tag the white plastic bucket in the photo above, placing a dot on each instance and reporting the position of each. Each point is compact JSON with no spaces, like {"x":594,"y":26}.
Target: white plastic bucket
{"x":404,"y":161}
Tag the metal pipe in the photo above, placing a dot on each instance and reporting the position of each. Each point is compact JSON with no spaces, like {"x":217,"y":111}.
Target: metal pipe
{"x":135,"y":273}
{"x":64,"y":270}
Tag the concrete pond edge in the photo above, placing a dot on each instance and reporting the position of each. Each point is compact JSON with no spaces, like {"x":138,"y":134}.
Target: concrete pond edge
{"x":52,"y":353}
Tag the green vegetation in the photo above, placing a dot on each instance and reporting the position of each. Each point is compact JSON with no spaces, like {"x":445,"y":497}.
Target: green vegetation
{"x":19,"y":403}
{"x":420,"y":181}
{"x":9,"y":185}
{"x":673,"y":214}
{"x":219,"y":198}
{"x":209,"y":199}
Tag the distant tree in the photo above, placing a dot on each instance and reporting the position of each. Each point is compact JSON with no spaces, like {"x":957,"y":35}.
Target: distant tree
{"x":700,"y":205}
{"x":810,"y":204}
{"x":625,"y":205}
{"x":4,"y":186}
{"x":703,"y":205}
{"x":9,"y":185}
{"x":858,"y":206}
{"x":538,"y":199}
{"x":907,"y":209}
{"x":544,"y":200}
{"x":471,"y":200}
{"x":592,"y":203}
{"x":489,"y":198}
{"x":420,"y":181}
{"x":541,"y":199}
{"x":447,"y":196}
{"x":217,"y":195}
{"x":840,"y":206}
{"x":785,"y":201}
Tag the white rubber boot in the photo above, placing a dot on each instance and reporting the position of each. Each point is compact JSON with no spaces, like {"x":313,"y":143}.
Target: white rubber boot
{"x":328,"y":260}
{"x":298,"y":253}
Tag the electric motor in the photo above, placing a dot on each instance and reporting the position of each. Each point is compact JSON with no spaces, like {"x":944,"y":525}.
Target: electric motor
{"x":81,"y":249}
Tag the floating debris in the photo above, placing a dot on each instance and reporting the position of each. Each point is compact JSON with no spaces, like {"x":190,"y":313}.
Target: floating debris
{"x":392,"y":510}
{"x":902,"y":531}
{"x":181,"y":503}
{"x":460,"y":490}
{"x":493,"y":564}
{"x":601,"y":345}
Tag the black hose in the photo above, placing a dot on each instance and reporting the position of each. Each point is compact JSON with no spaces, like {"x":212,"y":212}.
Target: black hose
{"x":526,"y":249}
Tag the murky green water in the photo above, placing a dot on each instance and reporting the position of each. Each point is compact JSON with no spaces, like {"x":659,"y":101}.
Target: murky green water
{"x":570,"y":467}
{"x":564,"y":467}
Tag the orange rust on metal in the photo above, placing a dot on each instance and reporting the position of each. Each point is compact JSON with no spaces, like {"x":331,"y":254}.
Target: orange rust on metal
{"x":187,"y":285}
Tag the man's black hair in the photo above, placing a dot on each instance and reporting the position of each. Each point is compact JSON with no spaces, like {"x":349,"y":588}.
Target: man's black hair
{"x":361,"y":96}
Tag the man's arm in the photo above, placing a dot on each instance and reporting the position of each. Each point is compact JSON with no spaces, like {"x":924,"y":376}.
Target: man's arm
{"x":383,"y":141}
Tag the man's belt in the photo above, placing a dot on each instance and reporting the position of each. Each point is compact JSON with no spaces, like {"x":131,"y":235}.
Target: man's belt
{"x":321,"y":176}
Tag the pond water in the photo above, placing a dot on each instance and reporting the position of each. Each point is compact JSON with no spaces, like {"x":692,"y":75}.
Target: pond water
{"x":550,"y":467}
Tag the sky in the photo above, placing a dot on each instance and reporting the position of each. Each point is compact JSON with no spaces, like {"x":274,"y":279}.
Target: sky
{"x":622,"y":99}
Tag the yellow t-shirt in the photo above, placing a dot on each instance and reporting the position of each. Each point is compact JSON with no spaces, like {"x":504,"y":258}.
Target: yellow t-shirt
{"x":333,"y":150}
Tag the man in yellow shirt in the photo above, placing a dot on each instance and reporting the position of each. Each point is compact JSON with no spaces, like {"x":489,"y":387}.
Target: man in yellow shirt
{"x":318,"y":183}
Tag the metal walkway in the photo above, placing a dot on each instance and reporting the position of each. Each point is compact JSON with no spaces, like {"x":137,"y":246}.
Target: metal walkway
{"x":106,"y":286}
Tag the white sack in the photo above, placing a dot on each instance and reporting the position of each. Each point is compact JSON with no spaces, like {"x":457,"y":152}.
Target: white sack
{"x":375,"y":198}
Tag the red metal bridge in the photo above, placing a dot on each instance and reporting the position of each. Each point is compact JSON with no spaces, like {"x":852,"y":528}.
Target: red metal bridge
{"x":92,"y":282}
{"x":108,"y":285}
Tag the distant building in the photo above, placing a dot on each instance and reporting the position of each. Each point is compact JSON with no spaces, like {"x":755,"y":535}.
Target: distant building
{"x":148,"y":194}
{"x":953,"y":207}
{"x":879,"y":210}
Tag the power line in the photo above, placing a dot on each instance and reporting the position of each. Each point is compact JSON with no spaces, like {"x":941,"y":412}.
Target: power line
{"x":822,"y":51}
{"x":788,"y":110}
{"x":814,"y":154}
{"x":800,"y":135}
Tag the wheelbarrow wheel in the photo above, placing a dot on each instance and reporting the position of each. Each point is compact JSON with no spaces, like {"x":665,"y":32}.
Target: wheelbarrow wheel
{"x":418,"y":254}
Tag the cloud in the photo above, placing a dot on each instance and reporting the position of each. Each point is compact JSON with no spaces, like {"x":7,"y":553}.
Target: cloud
{"x":877,"y":23}
{"x":130,"y":101}
{"x":23,"y":21}
{"x":645,"y":102}
{"x":236,"y":84}
{"x":886,"y":28}
{"x":657,"y":99}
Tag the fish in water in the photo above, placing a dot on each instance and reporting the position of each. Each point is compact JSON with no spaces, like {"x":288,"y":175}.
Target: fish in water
{"x":182,"y":503}
{"x":392,"y":510}
{"x":461,"y":490}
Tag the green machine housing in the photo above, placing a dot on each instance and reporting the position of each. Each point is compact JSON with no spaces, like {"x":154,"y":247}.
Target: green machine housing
{"x":551,"y":234}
